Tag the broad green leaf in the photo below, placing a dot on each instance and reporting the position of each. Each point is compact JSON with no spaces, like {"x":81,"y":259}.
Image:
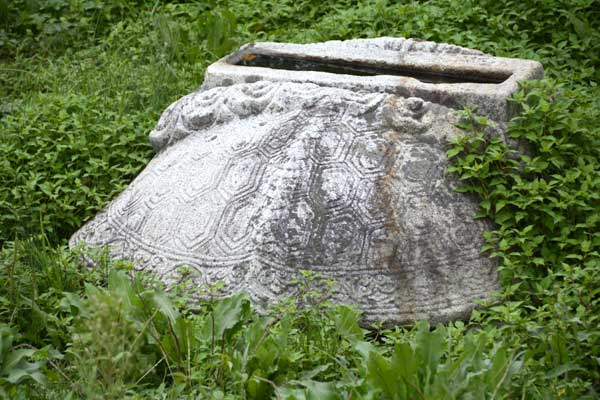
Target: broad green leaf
{"x":120,"y":284}
{"x":429,"y":348}
{"x":454,"y":151}
{"x":382,"y":375}
{"x":404,"y":362}
{"x":320,"y":390}
{"x":346,"y":322}
{"x":25,"y":370}
{"x":72,"y":301}
{"x":229,"y":312}
{"x":364,"y":349}
{"x":164,"y":305}
{"x":14,"y":357}
{"x":257,"y":387}
{"x":562,"y":369}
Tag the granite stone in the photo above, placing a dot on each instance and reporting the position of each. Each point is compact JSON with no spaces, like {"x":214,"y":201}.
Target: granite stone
{"x":325,"y":157}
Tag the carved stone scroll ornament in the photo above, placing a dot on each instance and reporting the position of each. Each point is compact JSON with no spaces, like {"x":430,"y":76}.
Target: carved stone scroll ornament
{"x":253,"y":182}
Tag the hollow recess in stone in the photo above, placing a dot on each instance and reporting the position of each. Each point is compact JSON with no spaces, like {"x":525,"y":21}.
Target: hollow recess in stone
{"x":263,"y":172}
{"x":340,"y":66}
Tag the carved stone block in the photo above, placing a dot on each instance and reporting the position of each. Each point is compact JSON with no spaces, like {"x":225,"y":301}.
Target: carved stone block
{"x":326,"y":157}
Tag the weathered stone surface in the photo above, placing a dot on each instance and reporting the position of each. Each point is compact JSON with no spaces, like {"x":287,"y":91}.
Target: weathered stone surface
{"x":255,"y":181}
{"x":441,"y":73}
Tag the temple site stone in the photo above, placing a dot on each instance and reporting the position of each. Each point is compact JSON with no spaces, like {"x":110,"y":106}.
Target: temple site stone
{"x":327,"y":157}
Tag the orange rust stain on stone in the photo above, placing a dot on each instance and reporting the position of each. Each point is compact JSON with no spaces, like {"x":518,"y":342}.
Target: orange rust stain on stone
{"x":386,"y":183}
{"x":386,"y":194}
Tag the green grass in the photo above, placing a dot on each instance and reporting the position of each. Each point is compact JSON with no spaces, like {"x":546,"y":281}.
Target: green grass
{"x":83,"y":81}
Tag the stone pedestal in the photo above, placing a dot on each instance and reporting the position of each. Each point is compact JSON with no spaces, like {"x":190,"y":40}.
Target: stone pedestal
{"x":325,"y":157}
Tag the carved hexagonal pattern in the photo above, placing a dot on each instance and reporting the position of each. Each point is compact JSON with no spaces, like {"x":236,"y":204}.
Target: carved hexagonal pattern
{"x":258,"y":181}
